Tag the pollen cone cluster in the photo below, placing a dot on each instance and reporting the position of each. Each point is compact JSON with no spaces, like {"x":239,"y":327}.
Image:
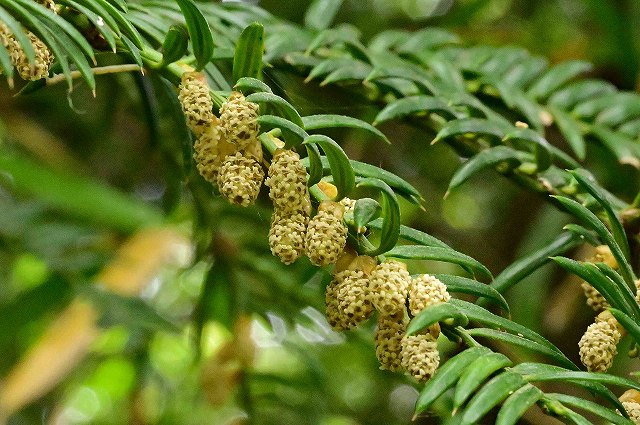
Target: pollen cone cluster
{"x":425,"y":291}
{"x":240,"y":178}
{"x":595,"y":300}
{"x":389,"y":286}
{"x":286,"y":235}
{"x":388,"y":340}
{"x":196,"y":101}
{"x":235,"y":167}
{"x":420,"y":356}
{"x":43,"y":56}
{"x":633,"y":410}
{"x":239,"y":120}
{"x":598,"y":345}
{"x":631,"y":402}
{"x":287,"y":182}
{"x":347,"y":296}
{"x":326,"y":234}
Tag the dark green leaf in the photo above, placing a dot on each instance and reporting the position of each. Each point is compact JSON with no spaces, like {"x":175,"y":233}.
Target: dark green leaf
{"x":494,"y":392}
{"x":628,"y":323}
{"x":526,"y":265}
{"x":472,"y":126}
{"x":253,"y":85}
{"x":320,"y":13}
{"x":617,"y":296}
{"x":199,"y":32}
{"x":585,"y":234}
{"x":487,"y":158}
{"x":446,"y":376}
{"x":247,"y":61}
{"x":175,"y":44}
{"x":292,"y":133}
{"x":594,"y":223}
{"x":571,"y":131}
{"x":477,"y":372}
{"x":285,"y":108}
{"x":412,"y":105}
{"x":390,"y":229}
{"x":588,"y":183}
{"x":418,"y":252}
{"x":316,"y":122}
{"x":522,"y":342}
{"x":315,"y":165}
{"x":556,"y":77}
{"x":541,"y":147}
{"x":626,"y":150}
{"x":591,"y":407}
{"x":366,"y":210}
{"x":473,"y":287}
{"x":445,"y":312}
{"x":579,"y":91}
{"x":594,"y":387}
{"x":341,"y":169}
{"x":480,"y":315}
{"x":572,"y":376}
{"x":364,"y":170}
{"x":517,"y":404}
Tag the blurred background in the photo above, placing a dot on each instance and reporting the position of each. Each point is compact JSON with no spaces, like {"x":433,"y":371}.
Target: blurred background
{"x":266,"y":350}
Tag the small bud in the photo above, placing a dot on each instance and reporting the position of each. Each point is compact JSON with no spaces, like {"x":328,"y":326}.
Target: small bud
{"x":287,"y":182}
{"x":240,"y":178}
{"x":326,"y":234}
{"x":286,"y":235}
{"x":388,"y":339}
{"x":389,"y":286}
{"x":425,"y":291}
{"x":604,"y":255}
{"x":239,"y":120}
{"x":196,"y":101}
{"x":598,"y":345}
{"x":349,"y":205}
{"x":420,"y":357}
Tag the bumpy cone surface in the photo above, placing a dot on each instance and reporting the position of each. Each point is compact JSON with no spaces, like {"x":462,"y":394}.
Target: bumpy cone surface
{"x":334,"y":315}
{"x":388,"y":339}
{"x":420,"y":357}
{"x":196,"y":101}
{"x":43,"y":58}
{"x":595,"y":300}
{"x":349,"y":205}
{"x":240,"y":178}
{"x":353,"y":297}
{"x":425,"y":291}
{"x":287,"y":181}
{"x":205,"y":152}
{"x":598,"y":345}
{"x":286,"y":235}
{"x":326,"y":234}
{"x":239,"y":120}
{"x":633,"y":409}
{"x":389,"y":284}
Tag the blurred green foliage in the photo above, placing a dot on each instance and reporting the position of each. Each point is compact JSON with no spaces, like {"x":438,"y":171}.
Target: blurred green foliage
{"x":304,"y":373}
